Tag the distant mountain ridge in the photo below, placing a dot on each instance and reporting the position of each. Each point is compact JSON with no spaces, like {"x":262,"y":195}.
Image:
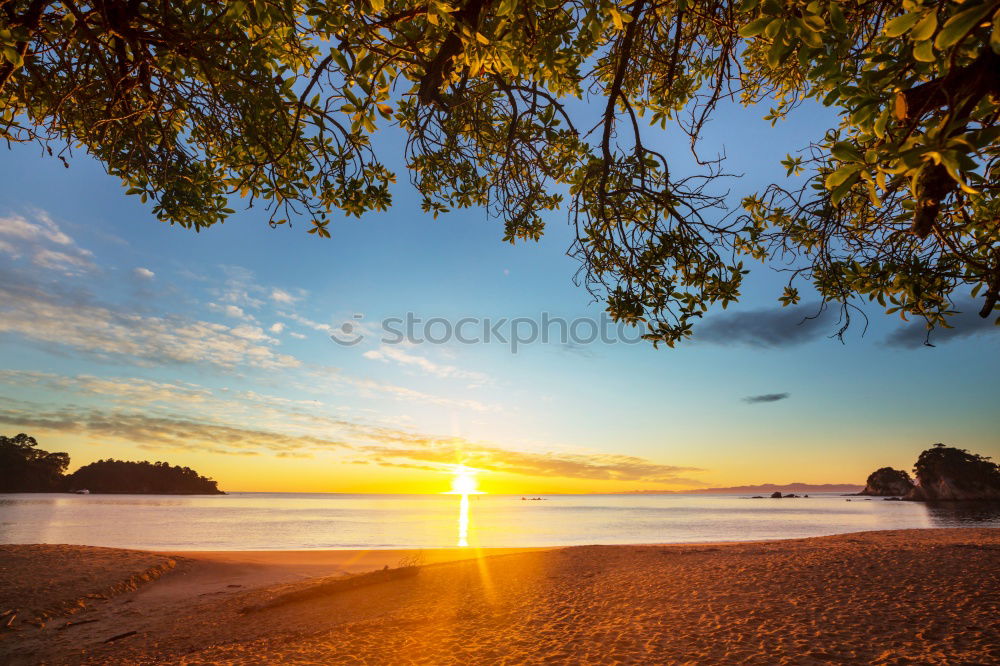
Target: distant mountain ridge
{"x":765,"y":488}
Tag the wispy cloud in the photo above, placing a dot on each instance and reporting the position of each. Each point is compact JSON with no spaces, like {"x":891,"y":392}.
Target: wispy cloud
{"x":40,"y":230}
{"x":597,"y":467}
{"x":43,"y":243}
{"x":39,"y":303}
{"x":766,"y":397}
{"x":157,"y":432}
{"x":240,"y":288}
{"x":282,"y":296}
{"x":68,"y":262}
{"x":366,"y":387}
{"x":398,"y":355}
{"x":127,"y":390}
{"x":68,"y":317}
{"x":309,"y":323}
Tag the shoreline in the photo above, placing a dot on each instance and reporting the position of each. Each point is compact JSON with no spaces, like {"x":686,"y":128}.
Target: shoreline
{"x":359,"y":560}
{"x":886,"y":597}
{"x":303,"y":563}
{"x":263,"y":555}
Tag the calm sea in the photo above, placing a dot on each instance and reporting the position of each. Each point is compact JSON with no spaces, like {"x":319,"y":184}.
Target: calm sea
{"x":258,"y":521}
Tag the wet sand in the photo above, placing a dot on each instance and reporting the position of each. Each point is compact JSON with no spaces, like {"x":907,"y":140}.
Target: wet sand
{"x":913,"y":596}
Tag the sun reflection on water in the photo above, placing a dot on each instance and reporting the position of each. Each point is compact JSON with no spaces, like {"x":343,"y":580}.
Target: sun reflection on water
{"x":463,"y":482}
{"x":463,"y":522}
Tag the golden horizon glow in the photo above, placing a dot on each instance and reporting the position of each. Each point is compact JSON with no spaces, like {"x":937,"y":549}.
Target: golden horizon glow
{"x":323,"y":472}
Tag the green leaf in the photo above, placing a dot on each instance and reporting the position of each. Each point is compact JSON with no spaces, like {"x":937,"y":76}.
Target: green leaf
{"x":924,"y":51}
{"x":814,"y":23}
{"x":960,"y":24}
{"x":840,"y":175}
{"x":616,"y":18}
{"x":810,"y":37}
{"x":846,"y":152}
{"x":12,"y":56}
{"x":841,"y":191}
{"x":776,"y":53}
{"x":900,"y":24}
{"x":873,"y":194}
{"x":837,"y":19}
{"x":754,"y":28}
{"x":882,"y":122}
{"x":925,"y":29}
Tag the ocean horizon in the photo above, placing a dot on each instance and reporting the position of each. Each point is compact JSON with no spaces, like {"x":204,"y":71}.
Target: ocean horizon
{"x":302,"y":521}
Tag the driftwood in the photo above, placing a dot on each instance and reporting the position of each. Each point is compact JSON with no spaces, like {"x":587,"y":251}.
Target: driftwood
{"x":73,"y":624}
{"x":335,"y":586}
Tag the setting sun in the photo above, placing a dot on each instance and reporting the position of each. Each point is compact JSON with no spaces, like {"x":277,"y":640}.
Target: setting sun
{"x":464,"y":481}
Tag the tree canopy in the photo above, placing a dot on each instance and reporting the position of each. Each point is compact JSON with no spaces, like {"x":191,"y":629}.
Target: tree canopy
{"x":193,"y":104}
{"x":26,"y":468}
{"x":125,"y":476}
{"x":964,"y":470}
{"x":888,"y":481}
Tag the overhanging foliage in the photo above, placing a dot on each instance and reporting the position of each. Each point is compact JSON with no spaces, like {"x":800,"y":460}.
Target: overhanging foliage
{"x":193,"y":103}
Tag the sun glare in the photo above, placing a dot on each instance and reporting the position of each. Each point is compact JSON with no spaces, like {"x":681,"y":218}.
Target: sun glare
{"x":463,"y":481}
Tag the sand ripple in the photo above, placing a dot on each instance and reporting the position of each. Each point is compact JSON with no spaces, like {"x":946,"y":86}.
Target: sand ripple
{"x":904,"y":597}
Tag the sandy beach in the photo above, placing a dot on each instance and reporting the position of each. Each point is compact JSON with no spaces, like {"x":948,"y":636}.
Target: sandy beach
{"x":912,"y":596}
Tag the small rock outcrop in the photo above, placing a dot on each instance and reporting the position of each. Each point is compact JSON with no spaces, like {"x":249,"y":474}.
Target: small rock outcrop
{"x":947,"y":473}
{"x":887,"y":482}
{"x":776,"y":495}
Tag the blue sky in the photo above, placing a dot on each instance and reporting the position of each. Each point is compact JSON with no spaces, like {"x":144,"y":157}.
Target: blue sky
{"x":125,"y":337}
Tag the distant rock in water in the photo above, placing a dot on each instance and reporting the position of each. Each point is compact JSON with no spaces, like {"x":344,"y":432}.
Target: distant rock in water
{"x":886,"y":482}
{"x":776,"y":494}
{"x":122,"y":476}
{"x":947,"y":473}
